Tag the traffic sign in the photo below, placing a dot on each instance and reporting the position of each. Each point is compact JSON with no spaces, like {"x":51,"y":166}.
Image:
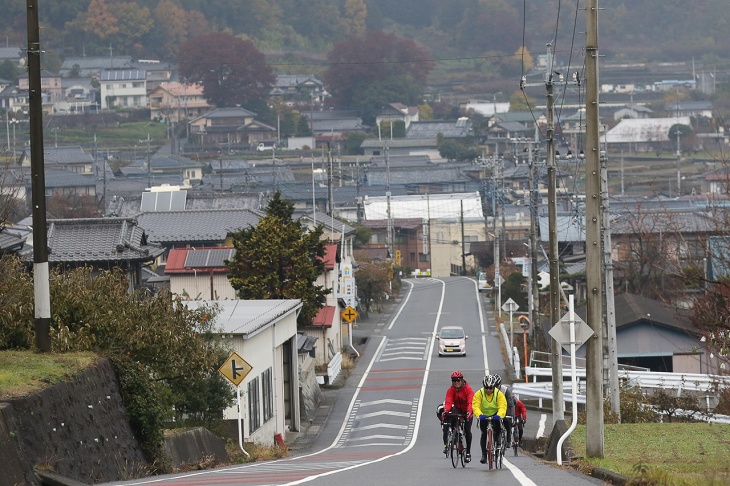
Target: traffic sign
{"x":235,"y":369}
{"x":510,"y":306}
{"x":498,"y":280}
{"x":349,"y":314}
{"x":561,"y":331}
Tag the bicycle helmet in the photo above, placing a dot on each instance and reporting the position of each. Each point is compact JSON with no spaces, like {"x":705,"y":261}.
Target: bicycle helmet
{"x":489,"y":381}
{"x":457,"y":375}
{"x":498,"y":383}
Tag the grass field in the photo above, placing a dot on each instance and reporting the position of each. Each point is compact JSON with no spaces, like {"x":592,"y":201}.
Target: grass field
{"x":25,"y":372}
{"x":680,"y":454}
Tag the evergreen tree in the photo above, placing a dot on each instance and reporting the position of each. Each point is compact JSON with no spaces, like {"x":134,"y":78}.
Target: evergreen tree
{"x":279,"y":259}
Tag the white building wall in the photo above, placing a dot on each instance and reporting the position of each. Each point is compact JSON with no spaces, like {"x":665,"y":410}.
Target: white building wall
{"x":264,"y":351}
{"x":199,"y":287}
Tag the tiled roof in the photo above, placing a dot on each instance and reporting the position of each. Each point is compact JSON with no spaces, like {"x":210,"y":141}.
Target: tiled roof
{"x":247,"y":317}
{"x":180,"y":89}
{"x":330,"y":256}
{"x":10,"y":242}
{"x":208,"y":226}
{"x":63,"y":155}
{"x":170,"y":161}
{"x":325,"y":316}
{"x":98,"y":240}
{"x":432,"y":129}
{"x":96,"y":63}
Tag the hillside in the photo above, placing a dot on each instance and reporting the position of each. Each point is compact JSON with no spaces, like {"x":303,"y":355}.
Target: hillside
{"x":470,"y":36}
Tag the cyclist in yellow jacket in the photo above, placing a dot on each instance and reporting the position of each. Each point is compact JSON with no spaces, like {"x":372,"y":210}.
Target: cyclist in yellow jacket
{"x":488,"y":401}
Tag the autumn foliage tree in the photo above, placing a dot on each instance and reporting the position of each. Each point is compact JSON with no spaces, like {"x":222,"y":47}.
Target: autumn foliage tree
{"x":280,"y":259}
{"x":370,"y":71}
{"x":232,"y":71}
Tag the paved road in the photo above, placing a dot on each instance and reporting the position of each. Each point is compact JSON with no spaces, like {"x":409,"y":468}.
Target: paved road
{"x":381,"y":428}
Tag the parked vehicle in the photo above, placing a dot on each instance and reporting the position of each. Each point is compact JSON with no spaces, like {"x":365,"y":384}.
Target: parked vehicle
{"x":266,"y":147}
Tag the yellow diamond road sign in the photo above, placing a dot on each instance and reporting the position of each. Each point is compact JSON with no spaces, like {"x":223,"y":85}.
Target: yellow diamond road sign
{"x":235,"y":369}
{"x":349,"y":314}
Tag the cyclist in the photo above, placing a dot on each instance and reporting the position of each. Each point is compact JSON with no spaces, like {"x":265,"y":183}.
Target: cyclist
{"x":458,"y":401}
{"x":520,"y":416}
{"x":489,"y":402}
{"x":507,"y":390}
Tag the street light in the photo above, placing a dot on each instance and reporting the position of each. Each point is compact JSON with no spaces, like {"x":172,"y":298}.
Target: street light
{"x":14,"y":122}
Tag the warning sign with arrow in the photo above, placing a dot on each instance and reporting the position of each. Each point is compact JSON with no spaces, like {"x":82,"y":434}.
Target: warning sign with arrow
{"x":235,"y":369}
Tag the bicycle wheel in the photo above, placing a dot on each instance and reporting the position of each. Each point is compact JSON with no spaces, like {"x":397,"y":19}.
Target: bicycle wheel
{"x":455,"y":450}
{"x":515,"y":441}
{"x":490,"y":448}
{"x":461,"y":449}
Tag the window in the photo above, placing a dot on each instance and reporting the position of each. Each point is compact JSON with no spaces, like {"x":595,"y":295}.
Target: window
{"x":253,"y":405}
{"x":267,"y":393}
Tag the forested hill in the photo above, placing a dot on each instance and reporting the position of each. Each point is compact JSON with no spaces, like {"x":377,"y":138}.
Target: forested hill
{"x":630,"y":30}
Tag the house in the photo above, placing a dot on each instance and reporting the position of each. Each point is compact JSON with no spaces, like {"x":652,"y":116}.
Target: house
{"x":170,"y":164}
{"x":71,"y":159}
{"x":682,"y":108}
{"x":451,"y":222}
{"x":101,"y":243}
{"x":264,"y":334}
{"x":235,"y":126}
{"x":402,"y":147}
{"x":158,"y":72}
{"x":16,"y":55}
{"x":123,"y":89}
{"x":485,"y":107}
{"x":13,"y":100}
{"x":200,"y":273}
{"x":174,"y":102}
{"x":631,"y":111}
{"x":333,"y":125}
{"x":298,"y":89}
{"x":195,"y":228}
{"x":397,"y":112}
{"x":657,"y":336}
{"x":51,"y":88}
{"x":642,"y":134}
{"x":433,"y":129}
{"x":79,"y":95}
{"x":93,"y":66}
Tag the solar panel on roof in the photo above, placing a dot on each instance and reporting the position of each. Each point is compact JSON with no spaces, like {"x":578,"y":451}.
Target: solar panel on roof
{"x":210,"y":258}
{"x":163,"y":201}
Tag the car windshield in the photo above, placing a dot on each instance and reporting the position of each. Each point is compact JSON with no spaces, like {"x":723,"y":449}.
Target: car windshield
{"x":452,"y":334}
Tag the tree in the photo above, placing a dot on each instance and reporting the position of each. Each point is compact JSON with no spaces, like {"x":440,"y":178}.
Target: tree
{"x":373,"y":284}
{"x":280,"y":259}
{"x":521,"y":102}
{"x":525,"y":58}
{"x":232,"y":71}
{"x":355,"y":14}
{"x":157,"y":345}
{"x":376,"y":69}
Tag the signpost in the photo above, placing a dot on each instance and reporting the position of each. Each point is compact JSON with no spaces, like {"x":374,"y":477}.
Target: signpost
{"x":349,"y":314}
{"x":577,"y":333}
{"x":510,"y":306}
{"x":235,"y":369}
{"x":525,"y":325}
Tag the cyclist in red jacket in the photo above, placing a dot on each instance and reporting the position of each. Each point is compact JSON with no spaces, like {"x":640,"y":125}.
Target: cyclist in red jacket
{"x":458,"y":401}
{"x":520,"y":416}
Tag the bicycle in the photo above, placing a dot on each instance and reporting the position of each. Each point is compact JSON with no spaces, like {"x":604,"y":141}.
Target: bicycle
{"x":513,"y":433}
{"x":494,"y":454}
{"x":455,"y":446}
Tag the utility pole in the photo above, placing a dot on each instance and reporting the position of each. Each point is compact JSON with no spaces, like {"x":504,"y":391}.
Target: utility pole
{"x":594,"y":311}
{"x":610,"y":345}
{"x":463,"y":254}
{"x":41,"y":275}
{"x":556,"y":358}
{"x":389,"y":236}
{"x":330,"y":196}
{"x":149,"y":160}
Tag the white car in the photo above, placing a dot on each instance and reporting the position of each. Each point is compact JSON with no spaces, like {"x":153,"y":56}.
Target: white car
{"x":483,"y":283}
{"x":452,"y":341}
